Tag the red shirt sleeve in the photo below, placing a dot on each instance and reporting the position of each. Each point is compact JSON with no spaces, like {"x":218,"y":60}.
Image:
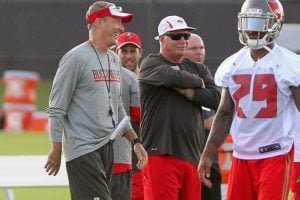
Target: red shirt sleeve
{"x":135,"y":113}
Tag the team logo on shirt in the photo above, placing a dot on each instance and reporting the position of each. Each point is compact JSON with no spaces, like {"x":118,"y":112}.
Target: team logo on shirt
{"x":100,"y":75}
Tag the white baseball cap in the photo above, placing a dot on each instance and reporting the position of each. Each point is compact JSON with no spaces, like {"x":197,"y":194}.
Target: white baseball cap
{"x":172,"y":23}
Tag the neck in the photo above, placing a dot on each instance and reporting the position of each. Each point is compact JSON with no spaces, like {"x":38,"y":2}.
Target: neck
{"x":98,"y":42}
{"x":257,"y":54}
{"x":176,"y":59}
{"x":136,"y":70}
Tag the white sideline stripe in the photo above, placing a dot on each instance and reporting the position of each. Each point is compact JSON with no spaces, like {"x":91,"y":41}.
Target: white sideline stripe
{"x":28,"y":171}
{"x":223,"y":191}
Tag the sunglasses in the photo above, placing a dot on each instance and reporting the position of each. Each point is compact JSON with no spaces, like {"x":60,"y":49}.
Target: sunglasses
{"x":178,"y":36}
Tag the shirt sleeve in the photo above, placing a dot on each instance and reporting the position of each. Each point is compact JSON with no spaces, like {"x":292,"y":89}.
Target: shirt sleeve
{"x":222,"y":75}
{"x":135,"y":105}
{"x":121,"y":110}
{"x":157,"y":71}
{"x":210,"y":95}
{"x":122,"y":114}
{"x":63,"y":87}
{"x":288,"y":70}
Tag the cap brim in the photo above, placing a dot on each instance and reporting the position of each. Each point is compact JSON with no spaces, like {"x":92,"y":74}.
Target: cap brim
{"x":126,"y":17}
{"x":123,"y":44}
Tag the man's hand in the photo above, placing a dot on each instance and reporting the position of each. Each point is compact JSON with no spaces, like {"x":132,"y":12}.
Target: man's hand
{"x":204,"y":171}
{"x":141,"y":155}
{"x":188,"y":93}
{"x":54,"y":159}
{"x":138,"y":149}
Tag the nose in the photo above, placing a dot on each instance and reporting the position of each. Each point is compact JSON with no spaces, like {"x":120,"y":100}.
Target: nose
{"x":121,"y":27}
{"x":253,"y":34}
{"x":127,"y":55}
{"x":182,"y":38}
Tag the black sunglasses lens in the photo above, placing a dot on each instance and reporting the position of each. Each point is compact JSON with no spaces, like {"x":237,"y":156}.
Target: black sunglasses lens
{"x":178,"y":36}
{"x":175,"y":37}
{"x":186,"y":36}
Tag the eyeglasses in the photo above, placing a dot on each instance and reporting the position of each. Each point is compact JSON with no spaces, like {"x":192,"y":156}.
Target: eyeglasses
{"x":178,"y":36}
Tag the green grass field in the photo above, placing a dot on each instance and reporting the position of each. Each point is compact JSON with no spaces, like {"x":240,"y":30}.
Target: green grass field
{"x":27,"y":143}
{"x":24,"y":143}
{"x":43,"y":91}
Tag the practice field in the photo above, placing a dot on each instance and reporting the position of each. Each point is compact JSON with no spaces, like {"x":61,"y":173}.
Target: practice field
{"x":42,"y":92}
{"x":30,"y":144}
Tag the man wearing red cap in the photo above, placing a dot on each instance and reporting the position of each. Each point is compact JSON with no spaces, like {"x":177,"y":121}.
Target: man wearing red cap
{"x":129,"y":50}
{"x":85,"y":107}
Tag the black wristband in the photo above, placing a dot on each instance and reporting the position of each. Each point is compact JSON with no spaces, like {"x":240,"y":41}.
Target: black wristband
{"x":137,"y":140}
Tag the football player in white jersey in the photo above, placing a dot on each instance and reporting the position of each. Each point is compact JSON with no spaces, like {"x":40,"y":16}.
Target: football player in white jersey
{"x":260,"y":90}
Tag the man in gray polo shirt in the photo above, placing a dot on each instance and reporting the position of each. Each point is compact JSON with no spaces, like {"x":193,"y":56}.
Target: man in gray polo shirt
{"x":85,"y":107}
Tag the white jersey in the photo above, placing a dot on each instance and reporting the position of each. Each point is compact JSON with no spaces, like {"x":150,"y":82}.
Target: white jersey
{"x":263,"y":124}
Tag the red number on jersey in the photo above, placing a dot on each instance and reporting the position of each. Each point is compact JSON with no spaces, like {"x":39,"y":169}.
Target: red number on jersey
{"x":264,"y":89}
{"x":243,"y":80}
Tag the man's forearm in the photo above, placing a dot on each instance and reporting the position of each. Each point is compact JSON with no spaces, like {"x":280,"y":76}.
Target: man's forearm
{"x":221,"y":124}
{"x":188,"y":93}
{"x":130,"y":135}
{"x":219,"y":132}
{"x":57,"y":146}
{"x":188,"y":81}
{"x":296,"y":95}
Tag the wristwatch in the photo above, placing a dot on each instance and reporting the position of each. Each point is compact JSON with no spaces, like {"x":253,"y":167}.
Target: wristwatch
{"x":137,"y":140}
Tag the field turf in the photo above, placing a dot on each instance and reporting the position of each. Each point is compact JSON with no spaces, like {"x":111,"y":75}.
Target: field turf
{"x":30,"y":143}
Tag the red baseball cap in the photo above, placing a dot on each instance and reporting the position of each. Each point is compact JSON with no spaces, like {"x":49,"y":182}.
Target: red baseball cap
{"x":128,"y":38}
{"x":112,"y":11}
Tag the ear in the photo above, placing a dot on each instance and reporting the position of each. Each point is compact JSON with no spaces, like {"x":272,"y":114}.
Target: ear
{"x":141,"y":52}
{"x":99,"y":22}
{"x":161,"y":38}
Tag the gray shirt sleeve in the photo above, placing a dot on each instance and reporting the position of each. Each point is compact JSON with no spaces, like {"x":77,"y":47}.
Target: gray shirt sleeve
{"x":64,"y":84}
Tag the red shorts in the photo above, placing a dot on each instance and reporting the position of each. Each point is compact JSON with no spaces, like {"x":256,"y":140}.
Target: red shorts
{"x":295,"y":185}
{"x":169,"y":178}
{"x":137,"y":191}
{"x":262,"y":179}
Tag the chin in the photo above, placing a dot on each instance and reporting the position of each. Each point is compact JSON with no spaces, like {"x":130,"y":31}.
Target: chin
{"x":113,"y":42}
{"x":180,"y":53}
{"x":130,"y":68}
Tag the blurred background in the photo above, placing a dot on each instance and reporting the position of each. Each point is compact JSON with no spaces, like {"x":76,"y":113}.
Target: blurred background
{"x":36,"y":33}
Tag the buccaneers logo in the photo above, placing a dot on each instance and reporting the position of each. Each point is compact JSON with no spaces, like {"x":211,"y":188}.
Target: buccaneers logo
{"x":276,"y":8}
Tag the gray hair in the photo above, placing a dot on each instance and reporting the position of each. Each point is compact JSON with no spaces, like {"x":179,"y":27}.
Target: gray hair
{"x":96,"y":6}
